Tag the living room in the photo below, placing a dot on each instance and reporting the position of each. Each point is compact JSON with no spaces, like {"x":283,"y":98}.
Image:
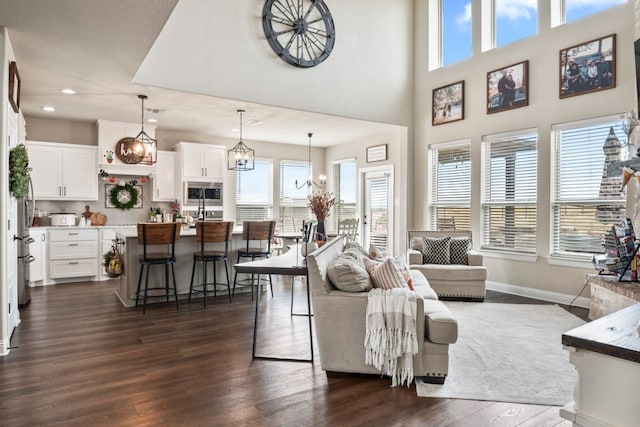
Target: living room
{"x":385,"y":53}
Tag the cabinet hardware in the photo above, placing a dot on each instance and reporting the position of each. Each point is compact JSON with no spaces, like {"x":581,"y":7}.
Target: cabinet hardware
{"x":65,"y":190}
{"x":73,"y":234}
{"x":73,"y":262}
{"x":73,"y":244}
{"x":157,"y":192}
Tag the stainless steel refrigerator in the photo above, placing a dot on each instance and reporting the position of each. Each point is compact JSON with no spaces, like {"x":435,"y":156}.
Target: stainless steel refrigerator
{"x":26,"y":209}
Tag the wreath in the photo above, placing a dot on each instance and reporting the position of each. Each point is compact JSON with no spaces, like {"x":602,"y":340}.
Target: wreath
{"x":114,"y":196}
{"x":19,"y":171}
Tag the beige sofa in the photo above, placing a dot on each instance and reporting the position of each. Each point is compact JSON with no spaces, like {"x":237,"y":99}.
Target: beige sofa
{"x":449,"y":281}
{"x":340,"y":322}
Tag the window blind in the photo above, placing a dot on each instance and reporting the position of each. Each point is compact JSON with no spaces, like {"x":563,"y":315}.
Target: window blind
{"x":510,"y":193}
{"x":585,"y":201}
{"x":451,"y":187}
{"x":253,"y":193}
{"x":293,"y":201}
{"x":378,"y":211}
{"x":345,"y":184}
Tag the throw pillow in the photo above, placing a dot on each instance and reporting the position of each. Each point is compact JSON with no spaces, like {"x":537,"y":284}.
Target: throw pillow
{"x":385,"y":274}
{"x":436,"y":250}
{"x":356,"y":246}
{"x":349,"y":275}
{"x":404,"y":270}
{"x":377,"y":253}
{"x":459,"y":250}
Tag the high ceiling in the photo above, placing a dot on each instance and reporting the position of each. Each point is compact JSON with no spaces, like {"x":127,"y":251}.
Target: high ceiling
{"x":96,"y":47}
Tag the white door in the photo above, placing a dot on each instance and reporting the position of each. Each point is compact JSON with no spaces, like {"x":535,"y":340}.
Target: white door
{"x":378,"y":208}
{"x":11,"y":278}
{"x":164,"y":181}
{"x":192,"y":163}
{"x":79,"y":177}
{"x":46,"y":171}
{"x":214,"y":163}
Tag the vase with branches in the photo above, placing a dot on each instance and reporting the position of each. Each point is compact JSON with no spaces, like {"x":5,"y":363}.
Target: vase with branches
{"x":320,"y":204}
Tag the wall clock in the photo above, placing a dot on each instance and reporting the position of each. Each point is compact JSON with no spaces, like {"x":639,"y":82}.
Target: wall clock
{"x":301,"y":32}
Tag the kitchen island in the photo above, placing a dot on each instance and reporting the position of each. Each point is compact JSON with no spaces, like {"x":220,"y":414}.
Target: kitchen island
{"x":185,"y":246}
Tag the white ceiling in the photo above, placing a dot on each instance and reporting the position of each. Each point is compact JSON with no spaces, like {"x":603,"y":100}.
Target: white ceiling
{"x":95,"y":47}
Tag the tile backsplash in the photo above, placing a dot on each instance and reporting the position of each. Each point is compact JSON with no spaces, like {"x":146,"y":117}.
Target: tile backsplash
{"x":114,"y":216}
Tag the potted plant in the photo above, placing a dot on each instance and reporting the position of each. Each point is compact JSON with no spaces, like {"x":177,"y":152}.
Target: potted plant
{"x":320,"y":204}
{"x":112,"y":262}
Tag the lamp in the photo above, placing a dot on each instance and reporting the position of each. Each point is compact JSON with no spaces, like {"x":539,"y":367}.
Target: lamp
{"x":149,"y":144}
{"x":309,"y":182}
{"x":240,"y":157}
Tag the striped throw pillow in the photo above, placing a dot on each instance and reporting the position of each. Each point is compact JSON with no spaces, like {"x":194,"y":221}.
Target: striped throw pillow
{"x":385,"y":274}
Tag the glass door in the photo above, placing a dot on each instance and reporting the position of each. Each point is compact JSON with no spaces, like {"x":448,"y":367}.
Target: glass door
{"x":378,"y":212}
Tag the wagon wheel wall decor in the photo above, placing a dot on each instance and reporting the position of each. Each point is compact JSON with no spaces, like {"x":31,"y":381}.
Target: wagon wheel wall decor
{"x":301,"y":32}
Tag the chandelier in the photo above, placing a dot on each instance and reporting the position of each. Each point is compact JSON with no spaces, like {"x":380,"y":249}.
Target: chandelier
{"x":310,"y":182}
{"x":240,"y":157}
{"x":148,"y":144}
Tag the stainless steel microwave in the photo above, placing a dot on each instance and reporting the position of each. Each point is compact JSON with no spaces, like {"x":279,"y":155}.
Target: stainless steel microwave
{"x":209,"y":192}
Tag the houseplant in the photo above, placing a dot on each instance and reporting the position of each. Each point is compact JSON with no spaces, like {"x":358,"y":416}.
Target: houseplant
{"x":320,"y":204}
{"x":19,"y":171}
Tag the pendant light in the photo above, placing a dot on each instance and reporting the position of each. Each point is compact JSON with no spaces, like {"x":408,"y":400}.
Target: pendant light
{"x":309,"y":182}
{"x":149,"y":144}
{"x":240,"y":157}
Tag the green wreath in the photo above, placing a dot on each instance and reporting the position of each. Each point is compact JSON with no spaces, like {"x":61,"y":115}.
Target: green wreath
{"x":127,"y":200}
{"x":19,"y":171}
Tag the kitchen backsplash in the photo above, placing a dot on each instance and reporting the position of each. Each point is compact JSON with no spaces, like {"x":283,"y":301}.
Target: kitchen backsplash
{"x":114,"y":216}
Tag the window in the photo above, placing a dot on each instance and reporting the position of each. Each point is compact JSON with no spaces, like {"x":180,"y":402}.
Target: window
{"x":254,"y":192}
{"x":450,"y":186}
{"x":585,"y":202}
{"x":576,"y":9}
{"x":509,"y":193}
{"x":515,"y":20}
{"x":293,"y":200}
{"x":455,"y":30}
{"x":345,"y":189}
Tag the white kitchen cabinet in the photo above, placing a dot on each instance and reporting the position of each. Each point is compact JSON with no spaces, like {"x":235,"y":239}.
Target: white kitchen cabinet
{"x":38,"y":249}
{"x":164,"y":180}
{"x":202,"y":162}
{"x":73,"y":252}
{"x":63,"y":171}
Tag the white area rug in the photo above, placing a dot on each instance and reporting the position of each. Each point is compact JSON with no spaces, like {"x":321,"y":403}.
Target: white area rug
{"x":508,"y":353}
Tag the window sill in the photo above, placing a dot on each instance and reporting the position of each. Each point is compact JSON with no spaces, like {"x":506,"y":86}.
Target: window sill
{"x":565,"y":261}
{"x":512,"y":256}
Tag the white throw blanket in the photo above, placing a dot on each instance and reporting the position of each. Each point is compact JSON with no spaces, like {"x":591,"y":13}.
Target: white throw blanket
{"x":391,"y":340}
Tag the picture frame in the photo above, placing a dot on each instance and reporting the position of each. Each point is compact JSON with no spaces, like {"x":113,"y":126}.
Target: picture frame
{"x":14,"y":87}
{"x":377,"y":153}
{"x":588,"y":67}
{"x":508,"y":87}
{"x":447,"y":103}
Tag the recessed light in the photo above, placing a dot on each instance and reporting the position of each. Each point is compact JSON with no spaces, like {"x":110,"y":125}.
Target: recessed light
{"x":152,"y":120}
{"x":235,"y":130}
{"x":253,"y":122}
{"x":48,"y":108}
{"x":68,"y":91}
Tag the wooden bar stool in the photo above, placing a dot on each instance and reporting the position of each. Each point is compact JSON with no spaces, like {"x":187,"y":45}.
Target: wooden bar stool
{"x":151,"y":234}
{"x":258,"y":235}
{"x":211,"y":232}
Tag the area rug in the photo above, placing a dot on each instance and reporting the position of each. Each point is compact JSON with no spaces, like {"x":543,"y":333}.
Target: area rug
{"x":508,"y":353}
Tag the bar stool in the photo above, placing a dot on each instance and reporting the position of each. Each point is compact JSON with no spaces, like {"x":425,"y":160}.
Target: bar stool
{"x":211,"y":232}
{"x":261,"y":233}
{"x":150,"y":234}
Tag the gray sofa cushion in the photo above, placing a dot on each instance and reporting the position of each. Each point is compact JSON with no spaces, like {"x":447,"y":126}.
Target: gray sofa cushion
{"x":440,"y":325}
{"x":421,"y":285}
{"x":452,"y":272}
{"x":348,"y":274}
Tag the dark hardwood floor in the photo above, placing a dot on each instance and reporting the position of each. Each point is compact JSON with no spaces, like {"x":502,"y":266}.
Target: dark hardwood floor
{"x":80,"y":358}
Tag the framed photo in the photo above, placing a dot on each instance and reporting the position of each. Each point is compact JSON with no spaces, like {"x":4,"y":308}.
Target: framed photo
{"x":377,"y":153}
{"x":447,"y":103}
{"x":508,"y":87}
{"x":14,"y":87}
{"x":588,"y":67}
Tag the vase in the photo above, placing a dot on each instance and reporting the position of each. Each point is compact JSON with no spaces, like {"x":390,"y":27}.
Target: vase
{"x":320,"y":232}
{"x":109,"y":160}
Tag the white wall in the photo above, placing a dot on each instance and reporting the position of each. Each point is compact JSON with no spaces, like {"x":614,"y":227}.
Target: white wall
{"x":545,"y":109}
{"x":218,"y":47}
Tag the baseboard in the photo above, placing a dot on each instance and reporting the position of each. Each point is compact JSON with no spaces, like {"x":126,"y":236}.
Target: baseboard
{"x":4,"y":348}
{"x":540,"y":294}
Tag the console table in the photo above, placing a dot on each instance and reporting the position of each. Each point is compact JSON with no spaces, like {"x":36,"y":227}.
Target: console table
{"x":608,"y":295}
{"x":606,"y":354}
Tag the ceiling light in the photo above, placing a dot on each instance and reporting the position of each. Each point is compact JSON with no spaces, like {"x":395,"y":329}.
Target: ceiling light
{"x":152,"y":120}
{"x":240,"y":157}
{"x":48,"y":108}
{"x":68,"y":91}
{"x":148,"y":143}
{"x":309,"y":182}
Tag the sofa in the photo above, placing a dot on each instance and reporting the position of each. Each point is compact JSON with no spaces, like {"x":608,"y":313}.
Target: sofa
{"x":340,"y":322}
{"x":462,"y":280}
